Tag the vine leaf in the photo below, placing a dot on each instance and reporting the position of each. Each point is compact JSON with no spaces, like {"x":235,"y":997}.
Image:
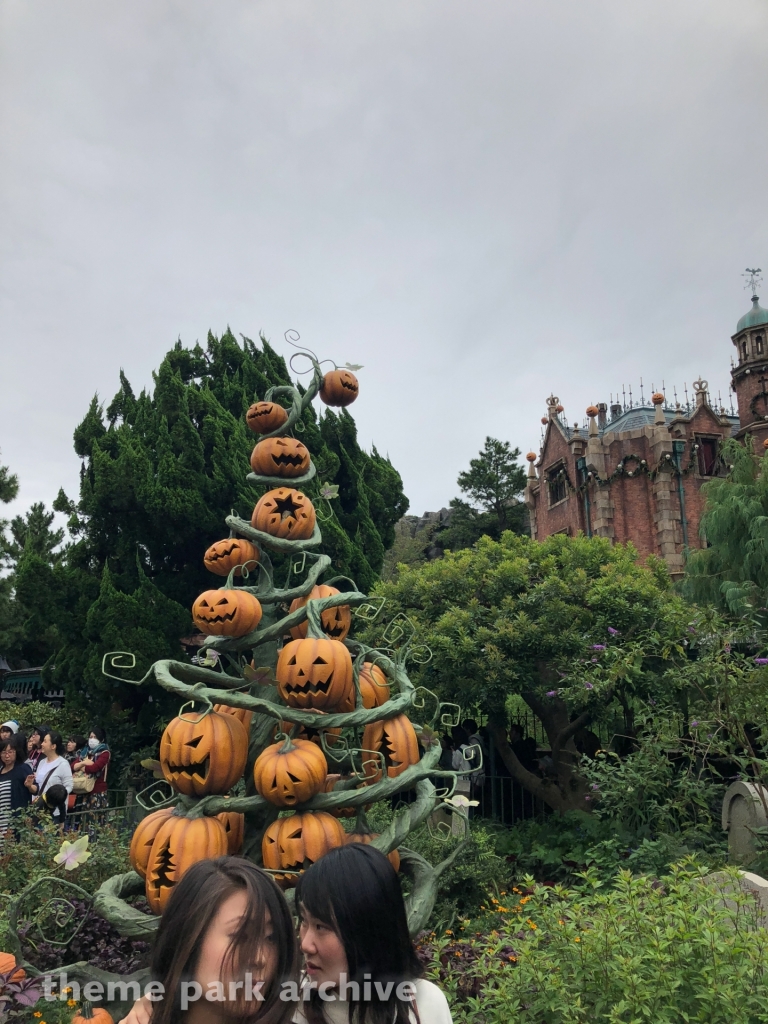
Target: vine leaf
{"x":329,"y":491}
{"x":72,"y":855}
{"x":353,"y":366}
{"x":152,"y":766}
{"x":263,"y":676}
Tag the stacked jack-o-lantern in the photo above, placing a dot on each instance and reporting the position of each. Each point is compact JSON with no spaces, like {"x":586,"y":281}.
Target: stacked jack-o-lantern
{"x":204,"y":754}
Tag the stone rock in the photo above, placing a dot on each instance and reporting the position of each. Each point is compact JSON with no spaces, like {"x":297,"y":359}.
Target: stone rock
{"x":745,"y":808}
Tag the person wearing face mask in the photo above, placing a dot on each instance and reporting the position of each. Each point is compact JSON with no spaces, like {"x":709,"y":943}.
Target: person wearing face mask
{"x":225,"y":920}
{"x":361,"y":965}
{"x":92,"y":764}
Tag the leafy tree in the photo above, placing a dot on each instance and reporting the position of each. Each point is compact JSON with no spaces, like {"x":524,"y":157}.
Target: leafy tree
{"x":493,"y":485}
{"x":9,"y":630}
{"x":568,"y":624}
{"x":731,"y":573}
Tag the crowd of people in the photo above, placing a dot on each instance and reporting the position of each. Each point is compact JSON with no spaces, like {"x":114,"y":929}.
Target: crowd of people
{"x":60,"y":778}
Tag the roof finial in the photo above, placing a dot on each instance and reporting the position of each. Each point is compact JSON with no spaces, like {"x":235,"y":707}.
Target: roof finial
{"x":753,"y":280}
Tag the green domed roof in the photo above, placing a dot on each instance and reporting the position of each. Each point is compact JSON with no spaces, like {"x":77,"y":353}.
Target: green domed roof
{"x":756,"y":317}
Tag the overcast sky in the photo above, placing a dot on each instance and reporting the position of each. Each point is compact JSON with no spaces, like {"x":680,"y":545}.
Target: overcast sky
{"x":481,"y":201}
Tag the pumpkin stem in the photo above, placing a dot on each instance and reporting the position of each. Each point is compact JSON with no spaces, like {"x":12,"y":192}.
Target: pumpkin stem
{"x":288,"y":746}
{"x":87,"y":1010}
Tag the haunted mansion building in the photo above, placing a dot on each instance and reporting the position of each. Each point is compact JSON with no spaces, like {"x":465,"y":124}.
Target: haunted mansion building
{"x":634,"y":472}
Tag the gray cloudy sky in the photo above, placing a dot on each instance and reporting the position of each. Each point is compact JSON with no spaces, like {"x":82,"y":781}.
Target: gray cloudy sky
{"x":481,"y":201}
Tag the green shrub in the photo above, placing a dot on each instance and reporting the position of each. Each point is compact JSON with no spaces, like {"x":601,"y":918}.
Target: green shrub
{"x":683,"y":948}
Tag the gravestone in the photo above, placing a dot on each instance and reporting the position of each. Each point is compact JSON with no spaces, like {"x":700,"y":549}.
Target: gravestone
{"x":745,"y":808}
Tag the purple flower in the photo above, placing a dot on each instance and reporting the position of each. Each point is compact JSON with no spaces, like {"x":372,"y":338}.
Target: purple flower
{"x":691,"y":629}
{"x":612,"y":631}
{"x":761,"y":661}
{"x":727,"y":648}
{"x":587,"y":797}
{"x":594,"y":660}
{"x":551,"y":693}
{"x":589,"y":686}
{"x":694,"y":724}
{"x":595,"y":786}
{"x":598,"y":647}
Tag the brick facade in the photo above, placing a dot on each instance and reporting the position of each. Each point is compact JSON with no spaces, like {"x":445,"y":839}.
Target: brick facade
{"x":638,"y":475}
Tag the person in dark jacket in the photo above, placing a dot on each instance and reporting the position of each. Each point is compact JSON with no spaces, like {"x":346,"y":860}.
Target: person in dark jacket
{"x":94,"y":760}
{"x":13,"y":771}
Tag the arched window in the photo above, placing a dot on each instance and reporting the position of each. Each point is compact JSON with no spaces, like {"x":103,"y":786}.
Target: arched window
{"x":743,"y":350}
{"x":759,"y":345}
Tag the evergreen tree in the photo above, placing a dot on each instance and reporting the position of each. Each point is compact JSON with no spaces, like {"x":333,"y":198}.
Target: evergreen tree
{"x":160,"y":473}
{"x":9,"y":628}
{"x":731,"y":572}
{"x":493,"y":485}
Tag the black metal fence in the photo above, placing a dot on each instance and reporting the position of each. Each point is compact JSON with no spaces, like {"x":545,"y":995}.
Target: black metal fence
{"x":122,"y":811}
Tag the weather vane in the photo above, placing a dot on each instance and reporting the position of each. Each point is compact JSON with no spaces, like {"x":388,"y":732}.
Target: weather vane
{"x":753,"y":279}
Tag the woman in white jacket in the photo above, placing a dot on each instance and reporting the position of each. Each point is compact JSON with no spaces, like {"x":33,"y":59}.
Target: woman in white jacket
{"x":52,"y":769}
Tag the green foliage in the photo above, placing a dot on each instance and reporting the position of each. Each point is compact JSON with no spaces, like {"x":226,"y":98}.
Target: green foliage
{"x":682,"y":948}
{"x":493,"y":485}
{"x":731,"y":573}
{"x":502,"y":617}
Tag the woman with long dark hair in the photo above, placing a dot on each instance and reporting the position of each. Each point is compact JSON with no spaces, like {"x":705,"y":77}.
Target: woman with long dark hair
{"x":226,"y":931}
{"x":361,"y":967}
{"x":92,"y":764}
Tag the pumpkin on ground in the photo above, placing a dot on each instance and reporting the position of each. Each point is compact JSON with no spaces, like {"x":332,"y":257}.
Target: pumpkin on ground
{"x":280,"y":456}
{"x":239,"y":713}
{"x":234,"y":829}
{"x":144,"y":837}
{"x":314,"y":673}
{"x":367,"y":837}
{"x":202,"y":754}
{"x":285,"y":512}
{"x":226,"y":612}
{"x":294,"y":843}
{"x":290,"y":773}
{"x":264,"y":417}
{"x":90,"y":1014}
{"x":180,"y":843}
{"x":7,"y":965}
{"x":224,"y":555}
{"x":340,"y":387}
{"x":336,"y":622}
{"x":395,"y":738}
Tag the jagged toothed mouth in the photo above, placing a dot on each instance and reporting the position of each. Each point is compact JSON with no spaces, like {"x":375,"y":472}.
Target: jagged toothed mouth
{"x":310,"y":687}
{"x":198,"y":770}
{"x":226,"y":617}
{"x":295,"y":461}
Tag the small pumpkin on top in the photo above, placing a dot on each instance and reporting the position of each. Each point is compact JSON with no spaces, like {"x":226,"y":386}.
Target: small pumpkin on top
{"x":226,"y":612}
{"x":340,"y":388}
{"x":264,"y":417}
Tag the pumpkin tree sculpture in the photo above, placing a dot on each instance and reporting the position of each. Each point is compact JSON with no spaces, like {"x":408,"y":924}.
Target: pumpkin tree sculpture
{"x":282,"y":696}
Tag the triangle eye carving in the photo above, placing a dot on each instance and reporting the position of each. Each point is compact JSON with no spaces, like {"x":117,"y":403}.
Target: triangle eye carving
{"x":319,"y":661}
{"x":293,"y":660}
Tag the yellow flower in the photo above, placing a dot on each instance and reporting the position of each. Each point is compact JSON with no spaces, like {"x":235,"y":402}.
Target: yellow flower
{"x":448,"y":931}
{"x":531,"y":925}
{"x":67,"y":989}
{"x":71,"y":1002}
{"x":577,"y":940}
{"x":561,"y":922}
{"x":517,"y":891}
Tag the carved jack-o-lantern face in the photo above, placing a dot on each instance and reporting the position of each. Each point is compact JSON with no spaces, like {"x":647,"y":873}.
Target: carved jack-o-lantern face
{"x":340,"y":387}
{"x":280,"y":456}
{"x":295,"y":843}
{"x":336,"y":622}
{"x":224,"y":555}
{"x":144,"y":837}
{"x":234,"y":829}
{"x":226,"y":612}
{"x":285,"y":512}
{"x":374,"y":688}
{"x":264,"y":417}
{"x":290,"y":773}
{"x":203,"y":754}
{"x":396,"y":740}
{"x":314,"y":673}
{"x":180,"y":843}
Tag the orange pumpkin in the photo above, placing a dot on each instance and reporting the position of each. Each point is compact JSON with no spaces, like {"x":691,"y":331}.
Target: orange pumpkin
{"x":339,"y":812}
{"x":374,"y":688}
{"x":286,"y":513}
{"x":340,"y":387}
{"x":226,"y":612}
{"x":224,"y":555}
{"x":293,"y":844}
{"x":90,"y":1014}
{"x":143,"y":838}
{"x":336,"y":622}
{"x":234,"y":829}
{"x":367,"y":837}
{"x":264,"y":417}
{"x":201,"y":754}
{"x":7,"y":965}
{"x":239,"y":713}
{"x":396,"y":740}
{"x":306,"y":732}
{"x":290,"y":773}
{"x":314,"y":673}
{"x":180,"y":843}
{"x":280,"y":456}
